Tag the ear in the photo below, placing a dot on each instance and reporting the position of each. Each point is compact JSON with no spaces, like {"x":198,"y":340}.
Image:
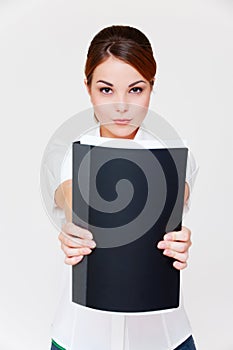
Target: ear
{"x":153,"y":81}
{"x":87,"y":87}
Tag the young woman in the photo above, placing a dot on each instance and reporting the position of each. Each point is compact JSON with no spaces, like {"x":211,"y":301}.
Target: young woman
{"x":120,"y":73}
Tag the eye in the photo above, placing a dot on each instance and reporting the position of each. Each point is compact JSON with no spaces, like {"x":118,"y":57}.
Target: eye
{"x":136,"y":90}
{"x":106,"y":90}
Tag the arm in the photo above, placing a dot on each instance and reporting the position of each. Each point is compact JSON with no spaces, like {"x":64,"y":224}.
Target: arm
{"x":75,"y":241}
{"x":63,"y":198}
{"x":186,"y":193}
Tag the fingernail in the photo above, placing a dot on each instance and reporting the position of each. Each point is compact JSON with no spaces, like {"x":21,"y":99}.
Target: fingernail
{"x":92,"y":244}
{"x":161,"y":245}
{"x":168,"y":237}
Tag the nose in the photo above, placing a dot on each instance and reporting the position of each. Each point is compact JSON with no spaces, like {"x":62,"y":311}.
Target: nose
{"x":121,"y":107}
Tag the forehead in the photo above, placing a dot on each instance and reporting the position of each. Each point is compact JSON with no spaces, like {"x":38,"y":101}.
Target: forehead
{"x":114,"y":68}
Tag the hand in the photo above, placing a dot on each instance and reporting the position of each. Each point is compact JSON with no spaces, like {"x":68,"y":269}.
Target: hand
{"x":75,"y":242}
{"x":176,"y":245}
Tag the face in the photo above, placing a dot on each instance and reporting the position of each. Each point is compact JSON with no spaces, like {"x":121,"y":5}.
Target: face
{"x":120,"y":96}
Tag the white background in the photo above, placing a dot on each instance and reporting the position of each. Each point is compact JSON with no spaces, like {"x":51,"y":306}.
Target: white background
{"x":42,"y":53}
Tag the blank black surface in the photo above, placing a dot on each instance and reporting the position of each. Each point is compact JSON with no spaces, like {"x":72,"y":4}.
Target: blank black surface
{"x":135,"y":277}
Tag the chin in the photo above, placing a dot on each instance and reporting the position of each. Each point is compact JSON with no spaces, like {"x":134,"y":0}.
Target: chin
{"x":122,"y":131}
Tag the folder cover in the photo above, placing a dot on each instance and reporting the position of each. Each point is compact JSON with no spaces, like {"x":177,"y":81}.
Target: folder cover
{"x":128,"y":199}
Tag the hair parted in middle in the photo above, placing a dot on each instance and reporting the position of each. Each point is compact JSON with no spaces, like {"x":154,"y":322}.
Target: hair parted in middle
{"x":125,"y":43}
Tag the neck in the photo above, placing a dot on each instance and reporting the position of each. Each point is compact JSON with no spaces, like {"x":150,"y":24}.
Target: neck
{"x":104,"y":132}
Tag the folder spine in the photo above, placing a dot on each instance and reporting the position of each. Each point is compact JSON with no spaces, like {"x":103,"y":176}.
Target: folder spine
{"x":80,"y":271}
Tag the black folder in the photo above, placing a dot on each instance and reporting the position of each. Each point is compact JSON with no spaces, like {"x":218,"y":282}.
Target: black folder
{"x":132,"y":274}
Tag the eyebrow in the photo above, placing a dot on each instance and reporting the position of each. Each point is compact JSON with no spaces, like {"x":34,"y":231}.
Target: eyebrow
{"x":130,"y":85}
{"x":137,"y":82}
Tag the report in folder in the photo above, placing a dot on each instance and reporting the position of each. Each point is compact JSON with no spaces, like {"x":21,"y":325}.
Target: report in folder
{"x":128,"y":198}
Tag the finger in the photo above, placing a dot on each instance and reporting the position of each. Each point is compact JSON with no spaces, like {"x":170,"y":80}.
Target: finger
{"x":76,"y":230}
{"x":75,"y":242}
{"x":182,"y":236}
{"x":70,"y":252}
{"x":179,"y":265}
{"x":178,"y":246}
{"x":181,"y":257}
{"x":74,"y":260}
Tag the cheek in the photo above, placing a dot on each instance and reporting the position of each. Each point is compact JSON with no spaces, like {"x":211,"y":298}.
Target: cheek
{"x":95,"y":97}
{"x":146,"y":100}
{"x":142,"y":100}
{"x":103,"y":111}
{"x":137,"y":113}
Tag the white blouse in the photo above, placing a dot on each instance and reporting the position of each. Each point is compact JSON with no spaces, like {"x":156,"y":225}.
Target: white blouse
{"x":76,"y":327}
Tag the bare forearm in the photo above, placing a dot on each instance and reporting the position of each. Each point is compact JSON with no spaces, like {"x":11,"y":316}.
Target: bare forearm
{"x":76,"y":242}
{"x":186,"y":193}
{"x":63,"y":198}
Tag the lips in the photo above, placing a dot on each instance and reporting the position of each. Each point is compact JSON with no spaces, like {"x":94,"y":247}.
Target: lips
{"x":122,"y":121}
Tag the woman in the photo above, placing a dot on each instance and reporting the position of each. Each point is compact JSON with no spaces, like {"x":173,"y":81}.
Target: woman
{"x":120,"y":73}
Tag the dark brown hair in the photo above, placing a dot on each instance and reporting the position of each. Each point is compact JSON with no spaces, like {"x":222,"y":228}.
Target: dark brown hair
{"x":125,"y":43}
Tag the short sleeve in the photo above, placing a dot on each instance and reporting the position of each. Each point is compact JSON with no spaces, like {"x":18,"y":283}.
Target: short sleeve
{"x":56,"y":168}
{"x":66,"y":168}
